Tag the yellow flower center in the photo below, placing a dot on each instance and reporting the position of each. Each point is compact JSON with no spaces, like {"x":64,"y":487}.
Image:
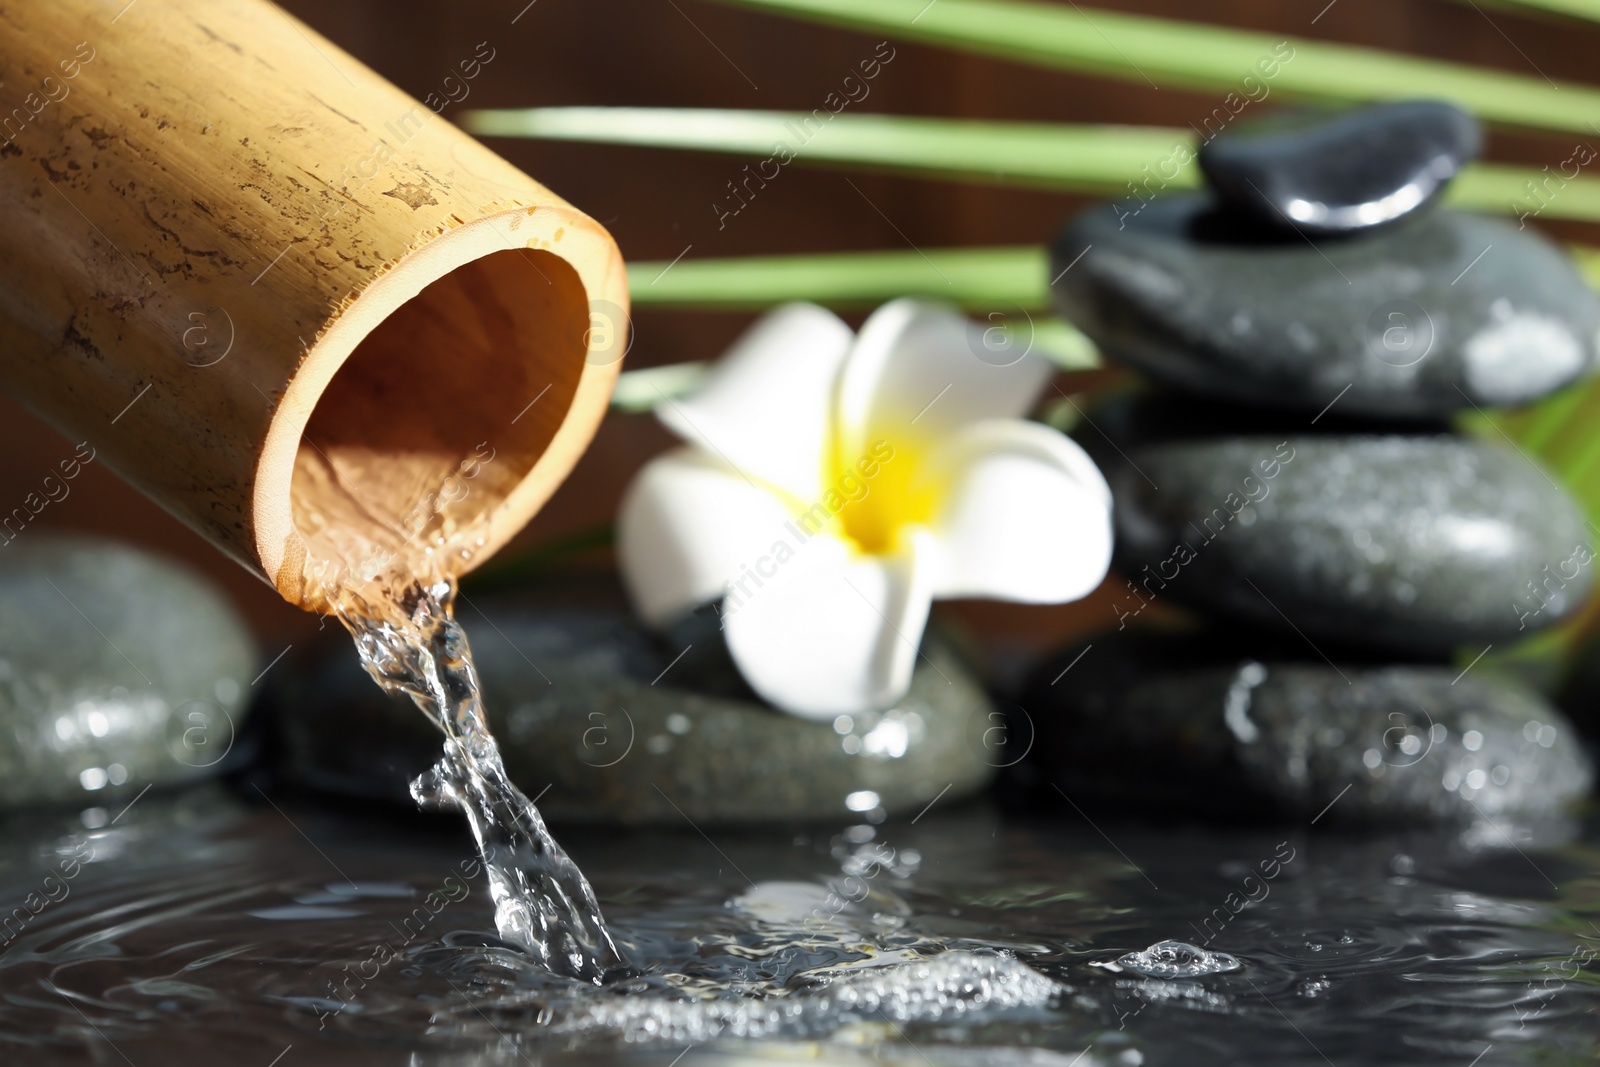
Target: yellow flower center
{"x":881,"y":495}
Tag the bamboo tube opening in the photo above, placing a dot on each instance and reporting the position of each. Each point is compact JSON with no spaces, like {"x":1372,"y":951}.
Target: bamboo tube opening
{"x":424,"y":429}
{"x":432,"y":421}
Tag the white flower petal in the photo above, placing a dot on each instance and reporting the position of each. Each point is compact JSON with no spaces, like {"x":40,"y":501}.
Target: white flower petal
{"x":767,"y":407}
{"x":1025,"y":515}
{"x":919,"y":371}
{"x":686,"y":527}
{"x":831,"y":632}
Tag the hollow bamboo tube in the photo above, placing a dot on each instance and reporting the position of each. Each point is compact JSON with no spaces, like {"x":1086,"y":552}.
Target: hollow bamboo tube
{"x":293,"y":305}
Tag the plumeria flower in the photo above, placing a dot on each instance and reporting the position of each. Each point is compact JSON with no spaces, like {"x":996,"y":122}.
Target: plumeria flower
{"x":834,"y":484}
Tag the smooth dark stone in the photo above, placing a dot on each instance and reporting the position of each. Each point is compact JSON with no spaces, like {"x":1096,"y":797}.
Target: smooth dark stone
{"x":1401,"y":542}
{"x":1419,"y":319}
{"x":605,"y":724}
{"x":1178,"y":723}
{"x":1327,"y":172}
{"x":1140,"y":414}
{"x":118,"y":670}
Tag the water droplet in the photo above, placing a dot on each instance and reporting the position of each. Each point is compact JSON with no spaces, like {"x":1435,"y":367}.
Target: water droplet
{"x":861,"y":800}
{"x":1178,"y":959}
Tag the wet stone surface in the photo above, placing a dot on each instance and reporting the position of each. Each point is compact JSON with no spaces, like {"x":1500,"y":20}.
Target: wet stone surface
{"x":1329,"y":172}
{"x":1434,"y":314}
{"x":1404,"y":542}
{"x":118,"y":670}
{"x":1228,"y":728}
{"x":601,"y":722}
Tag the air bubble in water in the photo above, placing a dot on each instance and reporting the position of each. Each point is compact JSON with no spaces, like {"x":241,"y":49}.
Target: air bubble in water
{"x":1178,"y":959}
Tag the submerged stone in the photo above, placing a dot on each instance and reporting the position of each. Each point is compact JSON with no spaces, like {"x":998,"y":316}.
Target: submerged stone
{"x":601,"y":722}
{"x":1418,"y":543}
{"x":118,"y":670}
{"x":1327,"y":172}
{"x":1248,"y":728}
{"x":1432,"y":315}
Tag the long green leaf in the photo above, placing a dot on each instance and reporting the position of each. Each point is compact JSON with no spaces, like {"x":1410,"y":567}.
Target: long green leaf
{"x":979,"y":279}
{"x":1522,"y":191}
{"x":1156,"y":52}
{"x":1046,"y":155}
{"x":1065,"y":158}
{"x":1009,"y":285}
{"x":1579,"y":9}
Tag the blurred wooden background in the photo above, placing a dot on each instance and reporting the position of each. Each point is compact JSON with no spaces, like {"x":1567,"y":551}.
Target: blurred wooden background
{"x":694,"y":54}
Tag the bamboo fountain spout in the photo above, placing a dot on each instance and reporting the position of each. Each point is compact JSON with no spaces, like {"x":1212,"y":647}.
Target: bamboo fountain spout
{"x":287,"y":301}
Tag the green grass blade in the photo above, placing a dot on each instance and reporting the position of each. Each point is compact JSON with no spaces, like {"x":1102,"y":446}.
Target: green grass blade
{"x":1051,"y":156}
{"x":978,"y":279}
{"x":641,"y":390}
{"x":1161,"y":52}
{"x":1545,"y":194}
{"x":1099,"y":160}
{"x":1007,"y":285}
{"x":1578,"y":9}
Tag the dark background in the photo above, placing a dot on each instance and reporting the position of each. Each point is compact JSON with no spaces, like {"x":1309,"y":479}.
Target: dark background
{"x":690,"y":53}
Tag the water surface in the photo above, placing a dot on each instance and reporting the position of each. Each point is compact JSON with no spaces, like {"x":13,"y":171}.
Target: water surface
{"x":202,"y":928}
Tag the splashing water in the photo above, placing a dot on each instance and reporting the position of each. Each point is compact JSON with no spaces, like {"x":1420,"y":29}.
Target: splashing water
{"x":1178,"y":959}
{"x":412,"y":644}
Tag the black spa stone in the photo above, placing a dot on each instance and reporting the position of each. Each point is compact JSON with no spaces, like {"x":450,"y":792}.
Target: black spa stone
{"x":1435,"y":314}
{"x":1414,"y":543}
{"x":1229,"y":728}
{"x":1334,"y":172}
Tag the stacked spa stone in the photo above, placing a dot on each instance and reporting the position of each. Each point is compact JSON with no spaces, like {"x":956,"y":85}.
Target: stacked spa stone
{"x":1312,"y":325}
